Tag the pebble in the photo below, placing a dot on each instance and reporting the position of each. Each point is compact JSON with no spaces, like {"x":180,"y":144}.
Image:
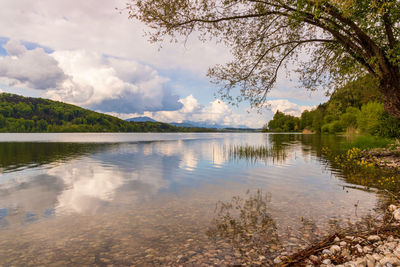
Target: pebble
{"x":361,"y":262}
{"x":327,"y":252}
{"x":277,"y":260}
{"x":374,"y":238}
{"x":370,"y":261}
{"x":335,"y":249}
{"x":396,"y":214}
{"x":367,"y":249}
{"x":327,"y":261}
{"x":376,"y":250}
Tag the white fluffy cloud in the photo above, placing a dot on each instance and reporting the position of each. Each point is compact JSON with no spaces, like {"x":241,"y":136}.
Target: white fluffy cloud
{"x":124,"y":83}
{"x":95,"y":25}
{"x":110,"y":84}
{"x":215,"y":112}
{"x":32,"y":68}
{"x":88,"y":79}
{"x":287,"y":107}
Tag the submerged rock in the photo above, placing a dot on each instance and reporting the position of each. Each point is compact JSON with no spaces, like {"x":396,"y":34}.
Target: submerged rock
{"x":327,"y":252}
{"x":374,"y":238}
{"x":335,"y":249}
{"x":396,"y":214}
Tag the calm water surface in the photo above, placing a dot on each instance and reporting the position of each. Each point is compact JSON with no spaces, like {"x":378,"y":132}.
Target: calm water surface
{"x":148,"y":199}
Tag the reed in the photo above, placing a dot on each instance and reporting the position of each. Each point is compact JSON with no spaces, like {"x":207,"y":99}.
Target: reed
{"x":255,"y":153}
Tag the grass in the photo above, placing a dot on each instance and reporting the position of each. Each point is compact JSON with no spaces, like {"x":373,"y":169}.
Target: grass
{"x":369,"y":142}
{"x":254,"y":153}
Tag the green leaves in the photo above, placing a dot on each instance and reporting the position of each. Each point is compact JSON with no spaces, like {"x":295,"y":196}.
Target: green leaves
{"x":330,"y":42}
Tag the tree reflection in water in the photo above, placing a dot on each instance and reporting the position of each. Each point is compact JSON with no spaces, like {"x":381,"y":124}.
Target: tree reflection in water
{"x":246,"y":224}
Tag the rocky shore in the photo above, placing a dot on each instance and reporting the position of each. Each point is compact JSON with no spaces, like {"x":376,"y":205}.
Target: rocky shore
{"x":380,"y":248}
{"x":387,"y":158}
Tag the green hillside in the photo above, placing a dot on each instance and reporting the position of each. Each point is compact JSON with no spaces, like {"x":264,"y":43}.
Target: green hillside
{"x":27,"y":114}
{"x":355,"y":107}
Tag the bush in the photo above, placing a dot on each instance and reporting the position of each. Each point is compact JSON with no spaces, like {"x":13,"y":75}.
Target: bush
{"x":329,"y":118}
{"x":335,"y":127}
{"x":388,"y":126}
{"x":369,"y":116}
{"x":348,"y":119}
{"x":325,"y":128}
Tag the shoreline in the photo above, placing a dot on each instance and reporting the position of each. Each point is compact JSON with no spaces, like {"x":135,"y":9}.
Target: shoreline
{"x":377,"y":247}
{"x":380,"y":246}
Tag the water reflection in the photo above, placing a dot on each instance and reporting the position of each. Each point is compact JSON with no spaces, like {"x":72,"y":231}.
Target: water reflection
{"x":150,"y":203}
{"x":28,"y":155}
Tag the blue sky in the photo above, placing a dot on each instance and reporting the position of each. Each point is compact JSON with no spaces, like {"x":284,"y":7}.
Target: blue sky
{"x":90,"y":55}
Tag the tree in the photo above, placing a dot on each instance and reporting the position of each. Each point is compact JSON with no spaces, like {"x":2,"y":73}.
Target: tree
{"x":344,"y":39}
{"x":368,"y":117}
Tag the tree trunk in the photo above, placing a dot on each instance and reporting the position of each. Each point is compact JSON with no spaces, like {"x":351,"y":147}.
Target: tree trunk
{"x":390,"y":90}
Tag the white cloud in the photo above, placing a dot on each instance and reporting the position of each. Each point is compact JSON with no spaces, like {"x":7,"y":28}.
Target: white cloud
{"x":119,"y":83}
{"x":87,"y":79}
{"x":32,"y":68}
{"x":95,"y":25}
{"x":111,"y":84}
{"x":215,"y":112}
{"x":287,"y":107}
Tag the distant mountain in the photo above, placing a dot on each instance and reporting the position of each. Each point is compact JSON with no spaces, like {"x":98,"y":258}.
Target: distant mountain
{"x":207,"y":125}
{"x":141,"y":119}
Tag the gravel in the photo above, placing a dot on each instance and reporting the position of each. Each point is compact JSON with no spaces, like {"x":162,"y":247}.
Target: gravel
{"x":356,"y":251}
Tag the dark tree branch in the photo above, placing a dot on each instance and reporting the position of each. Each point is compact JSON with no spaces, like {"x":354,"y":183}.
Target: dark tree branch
{"x":389,"y":31}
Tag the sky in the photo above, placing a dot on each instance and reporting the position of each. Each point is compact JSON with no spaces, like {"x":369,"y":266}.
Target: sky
{"x":89,"y":54}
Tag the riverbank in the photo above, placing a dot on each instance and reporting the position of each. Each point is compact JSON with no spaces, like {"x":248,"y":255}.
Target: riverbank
{"x":377,"y":247}
{"x":386,"y":158}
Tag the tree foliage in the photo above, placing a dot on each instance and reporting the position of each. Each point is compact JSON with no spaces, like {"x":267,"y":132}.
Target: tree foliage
{"x":284,"y":123}
{"x":343,"y":39}
{"x":359,"y":110}
{"x":26,"y":114}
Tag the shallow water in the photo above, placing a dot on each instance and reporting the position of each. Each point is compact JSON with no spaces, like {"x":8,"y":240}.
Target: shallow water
{"x":148,"y":199}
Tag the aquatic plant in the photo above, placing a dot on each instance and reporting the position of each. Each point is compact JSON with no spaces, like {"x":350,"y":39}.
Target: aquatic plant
{"x":255,"y":153}
{"x":245,"y":223}
{"x":361,"y":168}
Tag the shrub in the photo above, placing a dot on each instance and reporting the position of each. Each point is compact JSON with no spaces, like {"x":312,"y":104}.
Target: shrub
{"x":348,"y":119}
{"x":388,"y":126}
{"x":335,"y":127}
{"x":325,"y":128}
{"x":368,"y":117}
{"x":329,"y":118}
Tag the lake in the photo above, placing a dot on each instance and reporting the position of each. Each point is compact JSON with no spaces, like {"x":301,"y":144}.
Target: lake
{"x":145,"y":199}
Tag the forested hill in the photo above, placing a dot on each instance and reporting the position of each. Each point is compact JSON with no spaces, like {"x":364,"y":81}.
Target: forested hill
{"x":357,"y":106}
{"x":27,"y":114}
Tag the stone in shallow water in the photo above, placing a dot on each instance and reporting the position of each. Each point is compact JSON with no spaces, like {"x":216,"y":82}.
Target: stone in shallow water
{"x":277,"y":260}
{"x":327,"y":251}
{"x":361,"y":262}
{"x":326,"y":261}
{"x":396,"y":214}
{"x":370,"y":261}
{"x":374,"y":238}
{"x":335,"y":249}
{"x":367,"y":249}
